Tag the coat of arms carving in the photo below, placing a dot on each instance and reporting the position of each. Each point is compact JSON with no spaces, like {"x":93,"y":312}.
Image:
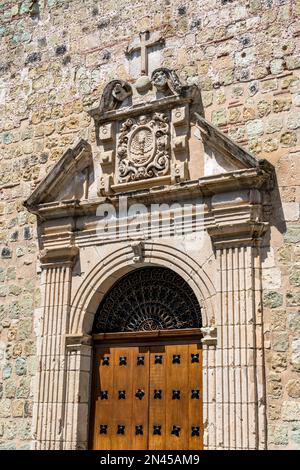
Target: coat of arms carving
{"x":143,"y":148}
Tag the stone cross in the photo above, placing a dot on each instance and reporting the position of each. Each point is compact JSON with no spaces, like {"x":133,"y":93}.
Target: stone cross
{"x":143,"y":43}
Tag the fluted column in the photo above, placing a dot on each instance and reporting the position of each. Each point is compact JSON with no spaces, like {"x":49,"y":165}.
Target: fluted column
{"x":77,"y":392}
{"x":239,"y":362}
{"x":50,"y":380}
{"x":209,"y":343}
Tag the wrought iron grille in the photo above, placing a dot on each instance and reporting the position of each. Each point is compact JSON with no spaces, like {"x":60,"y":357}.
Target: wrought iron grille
{"x":148,"y":299}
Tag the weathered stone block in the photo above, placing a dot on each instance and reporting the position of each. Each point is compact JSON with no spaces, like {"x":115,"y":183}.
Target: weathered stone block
{"x":293,"y":388}
{"x":279,"y":434}
{"x":273,"y":299}
{"x":295,"y":357}
{"x":278,"y":362}
{"x":21,"y":366}
{"x":290,"y":411}
{"x":280,"y":342}
{"x":7,"y":371}
{"x":294,"y":275}
{"x":5,"y":408}
{"x":294,"y":321}
{"x":255,"y":128}
{"x":292,"y":234}
{"x":293,"y":299}
{"x":295,"y":433}
{"x":24,"y":430}
{"x":288,"y":139}
{"x":17,"y":408}
{"x":274,"y":385}
{"x":10,"y":389}
{"x":23,"y":390}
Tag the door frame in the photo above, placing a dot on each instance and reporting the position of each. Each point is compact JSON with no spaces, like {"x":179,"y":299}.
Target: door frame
{"x":137,"y":338}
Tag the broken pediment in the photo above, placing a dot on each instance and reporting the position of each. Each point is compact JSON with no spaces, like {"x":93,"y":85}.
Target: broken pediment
{"x":71,"y":178}
{"x":151,"y":133}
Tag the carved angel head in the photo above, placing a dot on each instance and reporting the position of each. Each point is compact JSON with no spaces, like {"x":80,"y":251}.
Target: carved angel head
{"x":166,"y":80}
{"x":160,"y":79}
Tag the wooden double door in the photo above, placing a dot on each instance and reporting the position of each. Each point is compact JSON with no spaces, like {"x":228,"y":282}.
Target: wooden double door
{"x":147,"y":395}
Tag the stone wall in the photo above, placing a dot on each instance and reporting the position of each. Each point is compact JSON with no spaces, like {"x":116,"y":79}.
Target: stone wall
{"x":56,"y":57}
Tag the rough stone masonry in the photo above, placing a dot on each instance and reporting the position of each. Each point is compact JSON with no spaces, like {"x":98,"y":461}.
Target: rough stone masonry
{"x":56,"y":58}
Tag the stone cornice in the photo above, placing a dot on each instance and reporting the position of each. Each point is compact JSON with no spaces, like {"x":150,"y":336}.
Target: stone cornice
{"x":251,"y":178}
{"x":165,"y":103}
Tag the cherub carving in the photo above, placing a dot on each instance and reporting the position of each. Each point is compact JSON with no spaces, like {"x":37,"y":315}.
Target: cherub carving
{"x":167,"y":81}
{"x":114,"y":94}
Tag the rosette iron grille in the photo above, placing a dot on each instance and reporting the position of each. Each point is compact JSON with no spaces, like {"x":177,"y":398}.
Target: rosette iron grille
{"x":148,"y":299}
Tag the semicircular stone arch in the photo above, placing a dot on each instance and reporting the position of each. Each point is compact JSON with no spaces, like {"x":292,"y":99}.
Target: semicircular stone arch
{"x":105,"y":273}
{"x":147,"y":299}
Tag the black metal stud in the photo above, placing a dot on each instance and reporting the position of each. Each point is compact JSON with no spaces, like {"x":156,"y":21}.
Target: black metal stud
{"x":156,"y":430}
{"x":195,"y":358}
{"x":121,"y":429}
{"x":140,"y":361}
{"x":158,"y":360}
{"x":103,"y":429}
{"x":195,"y":394}
{"x":104,"y":395}
{"x":140,"y":394}
{"x":139,"y":430}
{"x":175,"y":394}
{"x":105,"y":361}
{"x":195,"y":431}
{"x":123,"y":361}
{"x":157,"y":394}
{"x":122,"y":394}
{"x":176,"y":359}
{"x":176,"y":430}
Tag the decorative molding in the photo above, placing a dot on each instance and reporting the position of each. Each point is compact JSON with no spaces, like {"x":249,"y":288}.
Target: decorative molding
{"x":76,"y":341}
{"x":137,"y":248}
{"x":251,"y":178}
{"x":74,"y":160}
{"x":209,"y":336}
{"x":114,"y":94}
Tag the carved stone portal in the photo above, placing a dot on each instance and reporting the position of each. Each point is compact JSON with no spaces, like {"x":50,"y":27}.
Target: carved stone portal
{"x":143,"y":148}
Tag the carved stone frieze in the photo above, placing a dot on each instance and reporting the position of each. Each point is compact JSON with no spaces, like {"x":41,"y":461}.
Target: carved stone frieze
{"x":143,"y":148}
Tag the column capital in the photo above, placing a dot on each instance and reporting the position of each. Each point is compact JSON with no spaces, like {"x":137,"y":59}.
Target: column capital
{"x":62,"y":256}
{"x":209,"y":336}
{"x":248,"y":233}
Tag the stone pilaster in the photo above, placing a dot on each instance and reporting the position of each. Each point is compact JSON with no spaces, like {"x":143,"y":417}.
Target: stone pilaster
{"x":77,"y":392}
{"x":239,"y":362}
{"x":209,"y":343}
{"x":50,"y":381}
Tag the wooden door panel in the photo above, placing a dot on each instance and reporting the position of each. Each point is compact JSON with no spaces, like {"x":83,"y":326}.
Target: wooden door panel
{"x":177,"y":408}
{"x":195,"y":397}
{"x":157,"y":398}
{"x":122,"y":372}
{"x":122,"y":407}
{"x":140,"y":397}
{"x":103,"y":390}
